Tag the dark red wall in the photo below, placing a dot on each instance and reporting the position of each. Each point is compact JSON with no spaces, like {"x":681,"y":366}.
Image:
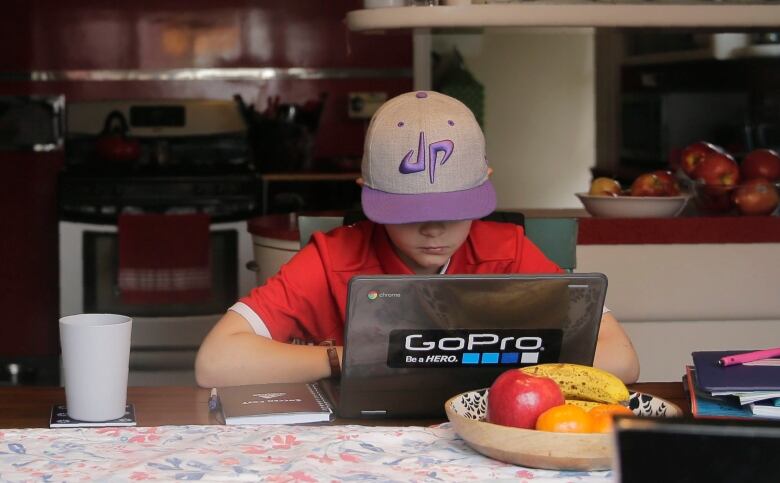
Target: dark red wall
{"x":52,"y":35}
{"x":29,"y":294}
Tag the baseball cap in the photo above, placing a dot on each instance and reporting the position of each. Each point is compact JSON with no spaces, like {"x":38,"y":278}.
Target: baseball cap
{"x":424,"y":160}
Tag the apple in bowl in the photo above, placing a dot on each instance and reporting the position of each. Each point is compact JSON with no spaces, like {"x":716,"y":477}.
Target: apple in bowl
{"x":695,"y":153}
{"x":761,"y":163}
{"x":657,"y":183}
{"x":517,"y":399}
{"x":756,"y":196}
{"x":715,"y":177}
{"x":717,"y":169}
{"x":669,"y":182}
{"x":604,"y":186}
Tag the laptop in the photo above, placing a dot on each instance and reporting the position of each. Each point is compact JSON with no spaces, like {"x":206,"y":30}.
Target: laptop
{"x":693,"y":450}
{"x":413,"y":341}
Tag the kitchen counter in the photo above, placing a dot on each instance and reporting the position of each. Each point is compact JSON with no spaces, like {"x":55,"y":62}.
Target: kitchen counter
{"x":686,"y":230}
{"x":281,"y":226}
{"x":601,"y":231}
{"x":685,"y":284}
{"x":677,"y":284}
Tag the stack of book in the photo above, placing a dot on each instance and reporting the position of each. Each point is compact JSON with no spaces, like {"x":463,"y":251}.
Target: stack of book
{"x":749,"y":390}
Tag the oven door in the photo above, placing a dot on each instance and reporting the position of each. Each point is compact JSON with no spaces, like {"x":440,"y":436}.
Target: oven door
{"x":100,"y":254}
{"x":165,"y":337}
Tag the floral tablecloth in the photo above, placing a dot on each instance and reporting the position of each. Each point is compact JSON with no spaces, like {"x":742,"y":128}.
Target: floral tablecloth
{"x":256,"y":453}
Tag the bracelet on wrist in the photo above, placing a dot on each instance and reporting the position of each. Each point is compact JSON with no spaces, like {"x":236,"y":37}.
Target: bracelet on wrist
{"x":333,"y":358}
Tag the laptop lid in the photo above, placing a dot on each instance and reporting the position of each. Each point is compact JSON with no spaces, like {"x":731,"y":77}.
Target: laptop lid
{"x":693,"y":450}
{"x":413,"y":341}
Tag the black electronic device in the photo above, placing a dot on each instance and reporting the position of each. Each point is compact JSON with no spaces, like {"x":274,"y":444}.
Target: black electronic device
{"x":413,"y":341}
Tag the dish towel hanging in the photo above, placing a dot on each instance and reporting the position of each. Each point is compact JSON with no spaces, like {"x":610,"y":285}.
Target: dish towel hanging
{"x":164,"y":258}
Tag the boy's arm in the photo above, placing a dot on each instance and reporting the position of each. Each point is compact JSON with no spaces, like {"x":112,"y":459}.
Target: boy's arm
{"x":232,"y":354}
{"x":614,"y":351}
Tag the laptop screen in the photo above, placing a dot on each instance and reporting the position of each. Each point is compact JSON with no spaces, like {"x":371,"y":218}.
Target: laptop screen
{"x":441,"y":335}
{"x":686,"y":450}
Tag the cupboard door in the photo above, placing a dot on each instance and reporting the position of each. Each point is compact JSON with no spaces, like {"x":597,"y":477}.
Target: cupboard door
{"x":29,"y":279}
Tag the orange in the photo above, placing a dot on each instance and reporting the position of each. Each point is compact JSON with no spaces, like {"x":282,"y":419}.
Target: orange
{"x":602,"y":416}
{"x":566,"y":418}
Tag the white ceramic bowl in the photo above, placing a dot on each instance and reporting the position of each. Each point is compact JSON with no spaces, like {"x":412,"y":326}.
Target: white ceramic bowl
{"x":542,"y":449}
{"x":633,"y":206}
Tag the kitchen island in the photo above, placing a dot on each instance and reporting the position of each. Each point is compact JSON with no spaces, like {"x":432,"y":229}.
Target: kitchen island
{"x":687,"y":283}
{"x":678,"y":284}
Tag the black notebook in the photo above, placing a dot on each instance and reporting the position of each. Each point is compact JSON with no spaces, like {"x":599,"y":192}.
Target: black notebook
{"x":742,"y":377}
{"x":293,"y":403}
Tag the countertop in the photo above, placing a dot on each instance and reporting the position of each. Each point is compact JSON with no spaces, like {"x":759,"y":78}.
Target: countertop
{"x":569,"y":13}
{"x":682,"y":230}
{"x":30,"y":406}
{"x":602,"y":231}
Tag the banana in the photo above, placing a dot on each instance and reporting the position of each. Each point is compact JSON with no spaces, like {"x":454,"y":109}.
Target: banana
{"x":586,"y":405}
{"x":583,"y":382}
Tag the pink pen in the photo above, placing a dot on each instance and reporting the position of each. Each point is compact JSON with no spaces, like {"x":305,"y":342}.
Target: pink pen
{"x":748,"y":357}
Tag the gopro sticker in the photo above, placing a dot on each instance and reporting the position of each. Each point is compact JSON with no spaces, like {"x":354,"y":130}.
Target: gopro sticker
{"x":473,"y":348}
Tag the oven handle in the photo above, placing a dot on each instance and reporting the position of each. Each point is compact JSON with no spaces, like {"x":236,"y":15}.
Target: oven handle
{"x":252,"y":266}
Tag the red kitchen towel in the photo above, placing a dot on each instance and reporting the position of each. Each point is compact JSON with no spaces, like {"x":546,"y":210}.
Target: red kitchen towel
{"x":164,"y":258}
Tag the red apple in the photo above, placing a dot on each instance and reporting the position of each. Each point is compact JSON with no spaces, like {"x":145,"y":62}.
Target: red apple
{"x":605,"y":187}
{"x":694,"y":153}
{"x":671,"y":186}
{"x":761,"y":163}
{"x":648,"y":184}
{"x":756,"y":197}
{"x":517,"y":399}
{"x":717,"y":169}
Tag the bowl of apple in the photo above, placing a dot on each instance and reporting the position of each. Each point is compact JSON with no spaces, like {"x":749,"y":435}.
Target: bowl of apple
{"x":724,"y":186}
{"x":535,"y":421}
{"x":754,"y":197}
{"x":651,"y":195}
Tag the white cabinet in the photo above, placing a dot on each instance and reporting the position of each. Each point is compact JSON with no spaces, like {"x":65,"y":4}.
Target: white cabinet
{"x":673,"y":299}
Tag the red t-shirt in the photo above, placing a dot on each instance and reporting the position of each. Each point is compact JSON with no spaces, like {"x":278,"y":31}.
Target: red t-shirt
{"x":307,"y":299}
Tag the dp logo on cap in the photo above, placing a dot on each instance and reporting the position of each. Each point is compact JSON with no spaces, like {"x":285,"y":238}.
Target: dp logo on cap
{"x":408,"y":167}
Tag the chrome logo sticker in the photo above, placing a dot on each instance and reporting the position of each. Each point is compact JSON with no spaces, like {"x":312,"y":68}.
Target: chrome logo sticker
{"x":372,"y":294}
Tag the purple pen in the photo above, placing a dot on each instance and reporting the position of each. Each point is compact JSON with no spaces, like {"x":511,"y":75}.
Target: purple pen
{"x":748,"y":357}
{"x":213,"y":400}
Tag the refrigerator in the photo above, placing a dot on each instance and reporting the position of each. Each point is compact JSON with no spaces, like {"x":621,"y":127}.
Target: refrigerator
{"x":31,"y":156}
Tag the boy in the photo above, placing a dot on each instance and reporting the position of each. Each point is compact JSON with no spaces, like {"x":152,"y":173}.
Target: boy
{"x":425,"y":182}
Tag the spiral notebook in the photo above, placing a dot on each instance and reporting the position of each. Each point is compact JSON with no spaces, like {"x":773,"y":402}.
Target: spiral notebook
{"x":293,"y":403}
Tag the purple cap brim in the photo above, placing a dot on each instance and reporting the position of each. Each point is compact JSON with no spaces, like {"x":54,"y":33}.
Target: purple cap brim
{"x":393,"y":208}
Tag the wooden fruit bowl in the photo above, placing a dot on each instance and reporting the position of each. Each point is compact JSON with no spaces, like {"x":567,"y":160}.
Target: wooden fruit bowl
{"x":542,"y":449}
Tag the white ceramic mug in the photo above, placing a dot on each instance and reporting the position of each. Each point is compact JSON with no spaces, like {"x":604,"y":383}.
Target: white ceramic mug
{"x":95,"y":360}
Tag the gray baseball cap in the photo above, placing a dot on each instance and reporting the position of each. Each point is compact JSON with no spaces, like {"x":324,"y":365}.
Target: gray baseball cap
{"x":424,"y":160}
